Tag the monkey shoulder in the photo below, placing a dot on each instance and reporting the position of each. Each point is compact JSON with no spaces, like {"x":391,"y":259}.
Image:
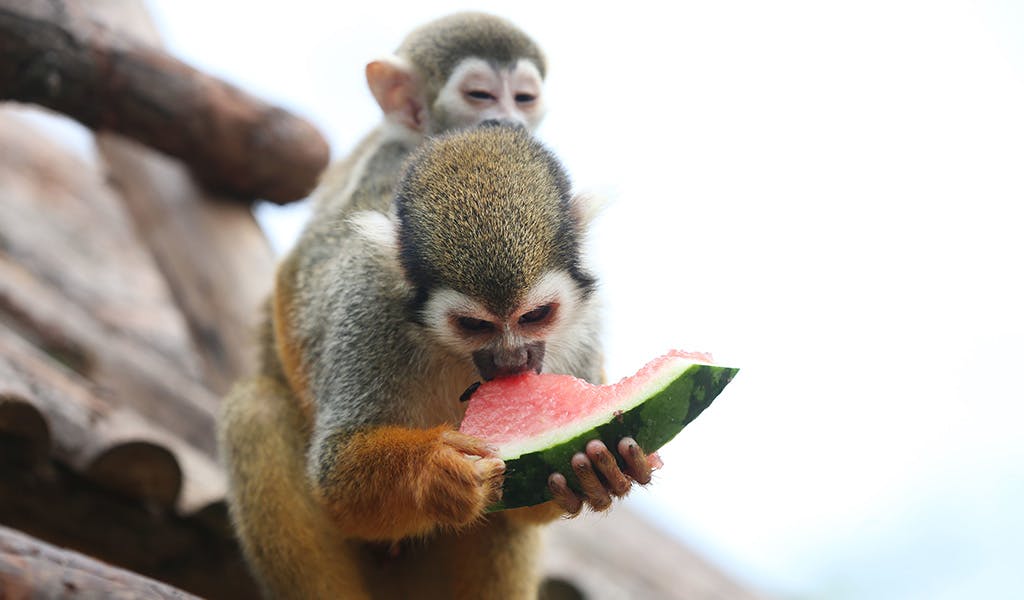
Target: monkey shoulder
{"x":366,"y":179}
{"x":368,"y":355}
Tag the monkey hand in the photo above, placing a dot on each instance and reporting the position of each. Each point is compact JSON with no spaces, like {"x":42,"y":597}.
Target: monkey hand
{"x":389,"y":483}
{"x":456,"y":486}
{"x":600,"y":476}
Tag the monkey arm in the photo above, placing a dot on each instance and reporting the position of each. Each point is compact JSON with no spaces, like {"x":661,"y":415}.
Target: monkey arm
{"x":388,"y":483}
{"x":283,"y":530}
{"x":537,"y":514}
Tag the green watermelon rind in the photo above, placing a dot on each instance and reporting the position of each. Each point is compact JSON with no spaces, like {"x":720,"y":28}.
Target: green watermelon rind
{"x":665,"y":407}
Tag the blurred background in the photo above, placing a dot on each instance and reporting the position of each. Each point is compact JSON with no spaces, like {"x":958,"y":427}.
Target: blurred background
{"x":827,"y":195}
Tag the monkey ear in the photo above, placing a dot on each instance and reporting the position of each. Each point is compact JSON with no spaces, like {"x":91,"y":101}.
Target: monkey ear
{"x":398,"y":90}
{"x":586,"y":206}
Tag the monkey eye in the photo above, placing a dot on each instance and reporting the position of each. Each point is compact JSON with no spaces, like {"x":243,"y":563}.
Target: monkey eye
{"x":480,"y":95}
{"x":472,"y":325}
{"x":536,"y":315}
{"x":525,"y":98}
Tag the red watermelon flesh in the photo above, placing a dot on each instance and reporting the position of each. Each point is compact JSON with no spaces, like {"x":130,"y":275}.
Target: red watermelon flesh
{"x":510,"y":411}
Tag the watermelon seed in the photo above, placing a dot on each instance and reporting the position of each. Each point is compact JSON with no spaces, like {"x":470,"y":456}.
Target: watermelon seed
{"x":466,"y":395}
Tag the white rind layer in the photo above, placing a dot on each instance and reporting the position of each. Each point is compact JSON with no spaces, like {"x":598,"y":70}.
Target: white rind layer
{"x":672,"y":368}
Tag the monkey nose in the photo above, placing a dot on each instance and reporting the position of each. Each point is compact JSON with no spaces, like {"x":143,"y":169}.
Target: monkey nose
{"x":510,"y":119}
{"x":509,"y":361}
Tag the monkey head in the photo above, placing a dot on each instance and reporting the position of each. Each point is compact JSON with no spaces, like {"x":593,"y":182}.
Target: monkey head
{"x":459,"y":71}
{"x":489,"y":238}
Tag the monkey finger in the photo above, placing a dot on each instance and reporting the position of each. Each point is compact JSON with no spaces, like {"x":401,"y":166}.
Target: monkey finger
{"x":468,"y":444}
{"x":563,"y":495}
{"x":636,"y":461}
{"x":491,"y":472}
{"x":489,"y":468}
{"x":602,"y":458}
{"x":597,"y":495}
{"x":655,"y":461}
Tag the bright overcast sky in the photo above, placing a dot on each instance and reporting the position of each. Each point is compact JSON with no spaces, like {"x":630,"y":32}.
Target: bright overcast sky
{"x":824,"y":194}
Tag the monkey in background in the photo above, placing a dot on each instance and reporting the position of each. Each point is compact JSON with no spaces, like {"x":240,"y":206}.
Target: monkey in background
{"x":452,"y":73}
{"x":347,"y":476}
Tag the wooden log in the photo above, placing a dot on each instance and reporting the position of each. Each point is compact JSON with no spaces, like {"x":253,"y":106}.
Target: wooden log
{"x":88,"y":434}
{"x":132,"y":376}
{"x":30,"y":568}
{"x":64,"y":223}
{"x":196,"y":553}
{"x":53,"y":54}
{"x":21,"y":420}
{"x":108,"y":444}
{"x":194,"y":296}
{"x":213,"y":254}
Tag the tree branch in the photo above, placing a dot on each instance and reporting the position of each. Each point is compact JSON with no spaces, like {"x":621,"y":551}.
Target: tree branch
{"x":55,"y":55}
{"x":30,"y":568}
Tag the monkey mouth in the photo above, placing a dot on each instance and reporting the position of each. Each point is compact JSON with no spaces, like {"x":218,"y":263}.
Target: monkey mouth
{"x":473,"y":387}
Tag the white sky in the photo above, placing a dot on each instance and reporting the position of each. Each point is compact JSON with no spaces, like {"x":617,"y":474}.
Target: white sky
{"x":825,"y":194}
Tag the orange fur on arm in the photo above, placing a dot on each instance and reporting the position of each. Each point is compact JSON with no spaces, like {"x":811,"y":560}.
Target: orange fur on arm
{"x":388,"y":483}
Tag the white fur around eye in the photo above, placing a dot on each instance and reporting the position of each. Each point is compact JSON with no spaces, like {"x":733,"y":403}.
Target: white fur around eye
{"x":475,"y":74}
{"x":445,"y":303}
{"x":503,"y":84}
{"x":526,"y":79}
{"x":573,"y":325}
{"x":460,"y":112}
{"x":553,"y":286}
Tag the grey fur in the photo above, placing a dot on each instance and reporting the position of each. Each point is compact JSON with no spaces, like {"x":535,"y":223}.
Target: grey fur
{"x":372,"y":363}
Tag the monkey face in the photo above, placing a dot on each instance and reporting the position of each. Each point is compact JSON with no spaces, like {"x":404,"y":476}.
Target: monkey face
{"x":479,"y":91}
{"x":519,"y":340}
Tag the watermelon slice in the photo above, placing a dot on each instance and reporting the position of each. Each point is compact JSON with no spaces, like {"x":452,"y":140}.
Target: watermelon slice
{"x":538,"y":422}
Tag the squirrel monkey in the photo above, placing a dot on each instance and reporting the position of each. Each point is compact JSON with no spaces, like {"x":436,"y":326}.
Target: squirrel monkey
{"x":348,"y":478}
{"x":452,"y":73}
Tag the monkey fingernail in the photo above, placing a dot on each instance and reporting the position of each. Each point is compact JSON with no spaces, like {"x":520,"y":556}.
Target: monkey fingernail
{"x":636,"y":461}
{"x":655,"y":461}
{"x":564,"y":496}
{"x":466,"y":395}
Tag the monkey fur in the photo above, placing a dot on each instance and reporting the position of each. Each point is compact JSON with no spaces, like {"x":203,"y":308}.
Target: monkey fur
{"x":347,"y":476}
